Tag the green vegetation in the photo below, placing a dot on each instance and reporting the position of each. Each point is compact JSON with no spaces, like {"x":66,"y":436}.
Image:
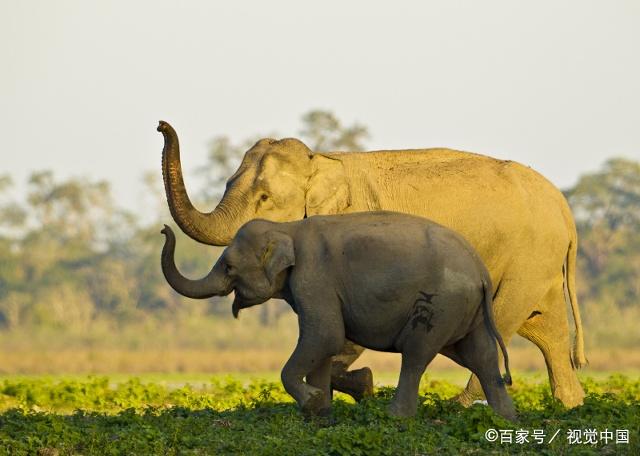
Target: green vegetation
{"x":225,"y":415}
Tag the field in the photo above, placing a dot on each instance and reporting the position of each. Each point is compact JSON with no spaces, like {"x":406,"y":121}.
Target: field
{"x":242,"y":414}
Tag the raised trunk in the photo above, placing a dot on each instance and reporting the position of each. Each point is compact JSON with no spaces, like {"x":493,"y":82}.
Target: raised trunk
{"x":213,"y":284}
{"x":209,"y":228}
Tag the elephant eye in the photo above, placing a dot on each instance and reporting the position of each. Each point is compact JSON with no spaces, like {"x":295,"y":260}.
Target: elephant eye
{"x":264,"y":197}
{"x":228,"y":269}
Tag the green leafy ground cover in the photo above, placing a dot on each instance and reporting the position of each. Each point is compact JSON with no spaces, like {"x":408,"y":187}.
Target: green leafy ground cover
{"x":234,"y":415}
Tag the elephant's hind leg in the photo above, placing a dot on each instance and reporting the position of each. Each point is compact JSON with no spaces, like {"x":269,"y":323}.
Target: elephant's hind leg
{"x":356,"y":383}
{"x":418,"y":346}
{"x":511,"y":306}
{"x":478,"y":352}
{"x":548,"y":328}
{"x":414,"y":363}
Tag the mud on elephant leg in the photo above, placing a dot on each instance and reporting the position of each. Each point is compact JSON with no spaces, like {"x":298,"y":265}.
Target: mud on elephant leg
{"x":356,"y":383}
{"x":549,"y":330}
{"x":320,"y":378}
{"x":310,"y":361}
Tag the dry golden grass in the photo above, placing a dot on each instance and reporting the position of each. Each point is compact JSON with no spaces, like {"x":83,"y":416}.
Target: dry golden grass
{"x":103,"y":361}
{"x":212,"y":344}
{"x":520,"y":358}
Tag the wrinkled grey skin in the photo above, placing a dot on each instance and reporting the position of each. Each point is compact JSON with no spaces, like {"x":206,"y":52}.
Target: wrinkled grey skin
{"x":386,"y":281}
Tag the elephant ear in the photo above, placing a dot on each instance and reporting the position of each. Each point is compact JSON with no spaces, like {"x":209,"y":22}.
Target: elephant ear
{"x":328,"y":189}
{"x":277,"y":255}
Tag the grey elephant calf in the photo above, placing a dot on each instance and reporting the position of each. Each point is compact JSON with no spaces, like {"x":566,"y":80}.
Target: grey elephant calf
{"x":387,"y":281}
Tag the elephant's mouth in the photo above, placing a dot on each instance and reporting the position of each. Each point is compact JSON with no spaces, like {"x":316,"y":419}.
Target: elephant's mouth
{"x":242,"y":302}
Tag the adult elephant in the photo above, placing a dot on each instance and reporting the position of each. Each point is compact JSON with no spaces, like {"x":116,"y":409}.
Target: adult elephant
{"x":519,"y":223}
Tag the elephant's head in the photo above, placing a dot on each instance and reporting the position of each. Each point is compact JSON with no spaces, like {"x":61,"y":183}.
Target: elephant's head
{"x":255,"y":266}
{"x":277,"y":180}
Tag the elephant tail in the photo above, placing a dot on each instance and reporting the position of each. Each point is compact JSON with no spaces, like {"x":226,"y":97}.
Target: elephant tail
{"x":578,"y":358}
{"x":491,"y":324}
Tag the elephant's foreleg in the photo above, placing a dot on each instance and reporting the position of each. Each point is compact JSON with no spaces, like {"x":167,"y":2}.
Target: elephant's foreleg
{"x":311,"y":359}
{"x":357,"y":383}
{"x":320,"y":378}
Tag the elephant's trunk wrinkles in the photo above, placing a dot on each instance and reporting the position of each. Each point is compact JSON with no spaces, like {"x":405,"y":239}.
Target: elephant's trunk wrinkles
{"x":208,"y":228}
{"x":213,"y":284}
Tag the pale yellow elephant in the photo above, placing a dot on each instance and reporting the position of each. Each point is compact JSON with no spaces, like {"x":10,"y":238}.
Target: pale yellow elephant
{"x":518,"y":221}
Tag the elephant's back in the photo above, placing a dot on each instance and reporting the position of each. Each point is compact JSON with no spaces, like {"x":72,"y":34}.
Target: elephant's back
{"x":431,"y":167}
{"x":433,"y":182}
{"x":433,"y":162}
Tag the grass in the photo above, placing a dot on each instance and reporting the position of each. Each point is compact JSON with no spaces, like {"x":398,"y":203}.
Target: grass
{"x":251,"y":414}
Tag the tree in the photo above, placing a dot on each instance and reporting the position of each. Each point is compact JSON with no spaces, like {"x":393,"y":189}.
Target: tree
{"x":65,"y":264}
{"x":323,"y":132}
{"x":609,"y":197}
{"x":223,"y":158}
{"x":12,"y":215}
{"x":75,"y":210}
{"x":12,"y":219}
{"x":606,"y":205}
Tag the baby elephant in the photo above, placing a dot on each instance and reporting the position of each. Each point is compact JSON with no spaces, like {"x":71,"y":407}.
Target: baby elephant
{"x":387,"y":281}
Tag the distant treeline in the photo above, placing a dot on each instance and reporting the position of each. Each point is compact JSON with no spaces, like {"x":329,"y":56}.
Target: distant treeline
{"x":70,"y":256}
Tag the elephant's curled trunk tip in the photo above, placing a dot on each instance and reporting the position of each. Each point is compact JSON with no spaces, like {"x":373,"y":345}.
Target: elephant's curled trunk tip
{"x":167,"y":231}
{"x":163,"y":126}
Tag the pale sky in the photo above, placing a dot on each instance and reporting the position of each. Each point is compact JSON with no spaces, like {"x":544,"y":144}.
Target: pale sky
{"x":551,"y":84}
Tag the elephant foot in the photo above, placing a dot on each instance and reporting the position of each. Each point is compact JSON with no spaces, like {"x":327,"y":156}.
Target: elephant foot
{"x":400,"y":411}
{"x":316,"y":406}
{"x":570,"y":397}
{"x":466,"y":398}
{"x":356,"y":383}
{"x":511,"y":416}
{"x":572,"y":402}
